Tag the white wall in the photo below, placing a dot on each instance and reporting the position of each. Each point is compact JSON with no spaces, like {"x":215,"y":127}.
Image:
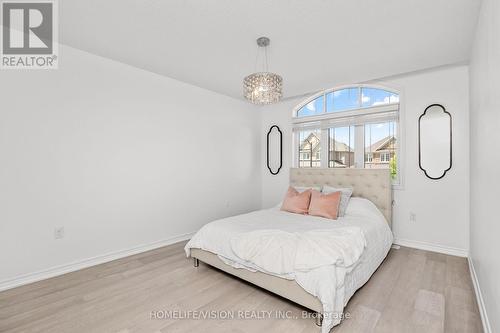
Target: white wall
{"x":441,"y":206}
{"x":485,"y":158}
{"x":119,"y":157}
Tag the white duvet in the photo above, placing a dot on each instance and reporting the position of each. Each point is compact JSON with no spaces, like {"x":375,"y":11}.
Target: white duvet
{"x":286,"y":253}
{"x":315,"y":252}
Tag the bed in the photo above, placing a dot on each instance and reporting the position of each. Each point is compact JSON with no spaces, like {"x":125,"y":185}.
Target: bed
{"x":369,"y":210}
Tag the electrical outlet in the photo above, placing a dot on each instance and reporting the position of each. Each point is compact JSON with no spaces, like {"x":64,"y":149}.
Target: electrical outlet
{"x":59,"y":233}
{"x":413,"y":217}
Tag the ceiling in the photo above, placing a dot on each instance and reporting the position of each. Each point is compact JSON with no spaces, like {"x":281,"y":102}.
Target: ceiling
{"x":315,"y":44}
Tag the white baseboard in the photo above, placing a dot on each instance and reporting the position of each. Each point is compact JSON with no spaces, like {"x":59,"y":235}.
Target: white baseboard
{"x":479,"y":297}
{"x":85,"y":263}
{"x":432,"y":247}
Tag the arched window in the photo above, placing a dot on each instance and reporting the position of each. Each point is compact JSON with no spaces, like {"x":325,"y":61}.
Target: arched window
{"x":348,"y":127}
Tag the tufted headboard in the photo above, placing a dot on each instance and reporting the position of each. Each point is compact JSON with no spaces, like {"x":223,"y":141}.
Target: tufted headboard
{"x":372,"y":184}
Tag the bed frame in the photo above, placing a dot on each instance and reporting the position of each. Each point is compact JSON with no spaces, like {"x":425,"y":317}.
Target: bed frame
{"x":372,"y":184}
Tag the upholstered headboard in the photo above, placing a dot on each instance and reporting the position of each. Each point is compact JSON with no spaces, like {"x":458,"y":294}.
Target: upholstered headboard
{"x":372,"y":184}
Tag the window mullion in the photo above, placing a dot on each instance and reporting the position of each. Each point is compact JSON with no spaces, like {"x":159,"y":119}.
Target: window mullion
{"x":296,"y":148}
{"x":325,"y":145}
{"x":360,"y":97}
{"x":359,"y":146}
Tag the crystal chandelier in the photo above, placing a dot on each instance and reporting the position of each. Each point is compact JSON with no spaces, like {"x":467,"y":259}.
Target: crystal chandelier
{"x":263,"y":87}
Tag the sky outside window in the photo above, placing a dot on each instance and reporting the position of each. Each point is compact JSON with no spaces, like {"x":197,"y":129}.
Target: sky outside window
{"x":343,"y":99}
{"x":312,"y":108}
{"x":374,"y":97}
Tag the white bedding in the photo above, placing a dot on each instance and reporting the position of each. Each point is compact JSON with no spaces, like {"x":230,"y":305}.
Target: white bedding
{"x":333,"y":284}
{"x":285,"y":254}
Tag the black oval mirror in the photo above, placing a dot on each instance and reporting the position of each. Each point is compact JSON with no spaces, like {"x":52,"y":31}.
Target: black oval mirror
{"x":434,"y":141}
{"x":274,"y":150}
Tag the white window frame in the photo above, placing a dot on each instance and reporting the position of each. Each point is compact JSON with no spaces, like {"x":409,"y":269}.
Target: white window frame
{"x":386,"y":158}
{"x":352,"y":117}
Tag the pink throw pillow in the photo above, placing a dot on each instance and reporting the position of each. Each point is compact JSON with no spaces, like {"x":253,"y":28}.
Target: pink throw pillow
{"x":296,"y":202}
{"x":325,"y":205}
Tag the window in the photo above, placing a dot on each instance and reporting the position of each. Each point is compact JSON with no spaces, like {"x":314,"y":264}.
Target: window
{"x":354,"y":127}
{"x":341,"y":143}
{"x":385,"y":157}
{"x":344,"y":99}
{"x":309,"y":149}
{"x":374,"y":97}
{"x":381,"y":144}
{"x":311,"y":108}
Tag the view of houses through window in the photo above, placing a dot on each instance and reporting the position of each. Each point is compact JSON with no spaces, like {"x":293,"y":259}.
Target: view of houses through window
{"x":363,"y":131}
{"x":381,"y":146}
{"x":341,"y":143}
{"x":310,"y":149}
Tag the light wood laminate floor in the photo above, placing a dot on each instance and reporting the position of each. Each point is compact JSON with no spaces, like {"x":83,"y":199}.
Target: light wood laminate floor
{"x":412,"y":291}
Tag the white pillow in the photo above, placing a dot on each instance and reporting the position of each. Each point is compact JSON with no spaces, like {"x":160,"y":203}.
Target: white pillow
{"x":344,"y":197}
